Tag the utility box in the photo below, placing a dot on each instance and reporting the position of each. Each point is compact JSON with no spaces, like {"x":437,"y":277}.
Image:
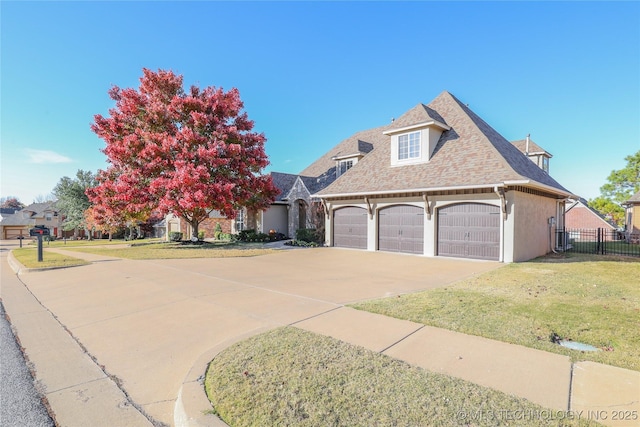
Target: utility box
{"x":39,"y":230}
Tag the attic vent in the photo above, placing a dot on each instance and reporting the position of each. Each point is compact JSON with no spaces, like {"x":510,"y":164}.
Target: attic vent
{"x":393,"y":119}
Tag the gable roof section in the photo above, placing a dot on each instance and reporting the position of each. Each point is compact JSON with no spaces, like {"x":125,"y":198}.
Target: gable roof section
{"x":470,"y":154}
{"x":283,"y":182}
{"x":584,"y":205}
{"x":362,"y":142}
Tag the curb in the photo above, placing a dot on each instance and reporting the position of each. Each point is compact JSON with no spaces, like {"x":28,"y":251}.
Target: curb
{"x":192,"y":407}
{"x":18,"y":268}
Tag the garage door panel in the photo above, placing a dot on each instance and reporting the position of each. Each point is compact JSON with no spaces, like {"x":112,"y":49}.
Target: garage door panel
{"x":469,"y":230}
{"x":401,"y":229}
{"x":350,"y":228}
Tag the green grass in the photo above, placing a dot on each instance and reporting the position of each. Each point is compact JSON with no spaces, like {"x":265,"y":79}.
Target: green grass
{"x":153,"y":250}
{"x":289,"y":377}
{"x":611,"y":248}
{"x":28,"y":257}
{"x":585,"y":298}
{"x":62,"y":244}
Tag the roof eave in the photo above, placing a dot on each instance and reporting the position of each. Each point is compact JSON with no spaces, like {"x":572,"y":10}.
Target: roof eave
{"x":526,"y":183}
{"x":430,"y":123}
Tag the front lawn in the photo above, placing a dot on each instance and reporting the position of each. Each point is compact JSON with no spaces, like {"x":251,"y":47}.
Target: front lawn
{"x":176,"y":250}
{"x":28,"y":257}
{"x":291,"y":377}
{"x":586,"y":298}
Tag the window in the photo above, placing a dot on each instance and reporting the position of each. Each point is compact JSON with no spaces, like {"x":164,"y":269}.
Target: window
{"x":545,"y":164}
{"x":240,"y":220}
{"x":409,"y":146}
{"x":344,"y":166}
{"x":48,"y":217}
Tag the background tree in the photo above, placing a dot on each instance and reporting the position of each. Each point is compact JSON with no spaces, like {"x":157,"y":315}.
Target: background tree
{"x":609,"y":209}
{"x":11,"y":202}
{"x":73,"y":200}
{"x":621,"y":185}
{"x":185,"y":153}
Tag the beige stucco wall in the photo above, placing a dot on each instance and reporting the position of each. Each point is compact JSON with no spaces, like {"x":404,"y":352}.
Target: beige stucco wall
{"x":531,"y":231}
{"x":275,"y":218}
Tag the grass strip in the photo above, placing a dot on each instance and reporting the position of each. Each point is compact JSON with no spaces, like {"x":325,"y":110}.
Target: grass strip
{"x":589,"y":299}
{"x":28,"y":257}
{"x":293,"y":377}
{"x":179,"y":251}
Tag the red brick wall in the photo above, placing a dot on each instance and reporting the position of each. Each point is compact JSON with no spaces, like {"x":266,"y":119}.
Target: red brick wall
{"x":208,"y":226}
{"x":583,"y":218}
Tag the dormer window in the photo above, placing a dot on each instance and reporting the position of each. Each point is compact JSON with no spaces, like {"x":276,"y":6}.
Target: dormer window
{"x":416,"y":143}
{"x":344,"y":165}
{"x":409,"y":146}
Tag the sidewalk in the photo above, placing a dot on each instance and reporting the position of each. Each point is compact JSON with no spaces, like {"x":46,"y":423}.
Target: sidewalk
{"x":154,"y":335}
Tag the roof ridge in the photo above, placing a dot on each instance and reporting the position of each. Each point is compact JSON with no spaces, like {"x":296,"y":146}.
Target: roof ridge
{"x":500,"y":143}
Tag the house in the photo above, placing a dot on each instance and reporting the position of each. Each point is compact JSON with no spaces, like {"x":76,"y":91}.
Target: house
{"x":632,"y":218}
{"x":580,"y":216}
{"x":18,"y":224}
{"x":439,"y":181}
{"x":582,"y":222}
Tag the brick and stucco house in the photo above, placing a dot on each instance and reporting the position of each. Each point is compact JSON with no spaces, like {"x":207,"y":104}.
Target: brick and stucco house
{"x":439,"y":181}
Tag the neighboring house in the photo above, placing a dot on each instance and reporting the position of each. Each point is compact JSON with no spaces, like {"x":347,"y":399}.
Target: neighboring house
{"x":579,"y":215}
{"x":439,"y":181}
{"x":18,"y":224}
{"x":582,"y":222}
{"x":6,"y":212}
{"x":632,"y":218}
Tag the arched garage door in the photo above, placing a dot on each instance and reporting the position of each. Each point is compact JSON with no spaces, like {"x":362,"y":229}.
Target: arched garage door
{"x":469,"y":230}
{"x":350,"y":228}
{"x":401,"y":229}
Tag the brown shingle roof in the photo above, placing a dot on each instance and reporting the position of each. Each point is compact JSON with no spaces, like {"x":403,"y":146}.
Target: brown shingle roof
{"x":471,"y":153}
{"x":635,"y":198}
{"x":533,"y":147}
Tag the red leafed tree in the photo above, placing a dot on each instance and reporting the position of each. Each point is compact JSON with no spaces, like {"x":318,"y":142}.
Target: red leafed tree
{"x":187,"y":153}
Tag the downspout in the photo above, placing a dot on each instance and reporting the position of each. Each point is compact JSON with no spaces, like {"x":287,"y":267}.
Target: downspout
{"x":503,"y":208}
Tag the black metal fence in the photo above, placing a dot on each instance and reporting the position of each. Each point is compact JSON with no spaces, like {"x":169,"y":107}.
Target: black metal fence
{"x":598,"y":241}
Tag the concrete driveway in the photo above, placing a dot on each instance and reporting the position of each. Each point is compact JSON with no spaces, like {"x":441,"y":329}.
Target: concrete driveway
{"x":153,"y":324}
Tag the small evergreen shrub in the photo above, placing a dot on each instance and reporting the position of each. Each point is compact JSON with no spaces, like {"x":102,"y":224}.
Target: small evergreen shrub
{"x":309,"y":235}
{"x":175,"y":236}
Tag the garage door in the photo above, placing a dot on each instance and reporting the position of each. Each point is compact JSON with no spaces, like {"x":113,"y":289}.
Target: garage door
{"x":14,"y":232}
{"x":401,"y":229}
{"x":469,"y":230}
{"x":350,"y":228}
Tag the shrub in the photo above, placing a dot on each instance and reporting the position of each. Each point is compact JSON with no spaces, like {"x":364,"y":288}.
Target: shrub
{"x":309,"y":235}
{"x":218,"y":232}
{"x":200,"y":235}
{"x":175,"y":236}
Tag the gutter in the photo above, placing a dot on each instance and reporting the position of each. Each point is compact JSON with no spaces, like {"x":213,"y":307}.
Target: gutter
{"x":411,"y":190}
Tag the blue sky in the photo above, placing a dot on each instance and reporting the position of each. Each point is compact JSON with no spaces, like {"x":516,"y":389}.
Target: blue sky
{"x":313,"y":73}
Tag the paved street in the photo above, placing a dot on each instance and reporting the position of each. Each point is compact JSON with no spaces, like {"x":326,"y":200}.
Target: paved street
{"x":20,"y":403}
